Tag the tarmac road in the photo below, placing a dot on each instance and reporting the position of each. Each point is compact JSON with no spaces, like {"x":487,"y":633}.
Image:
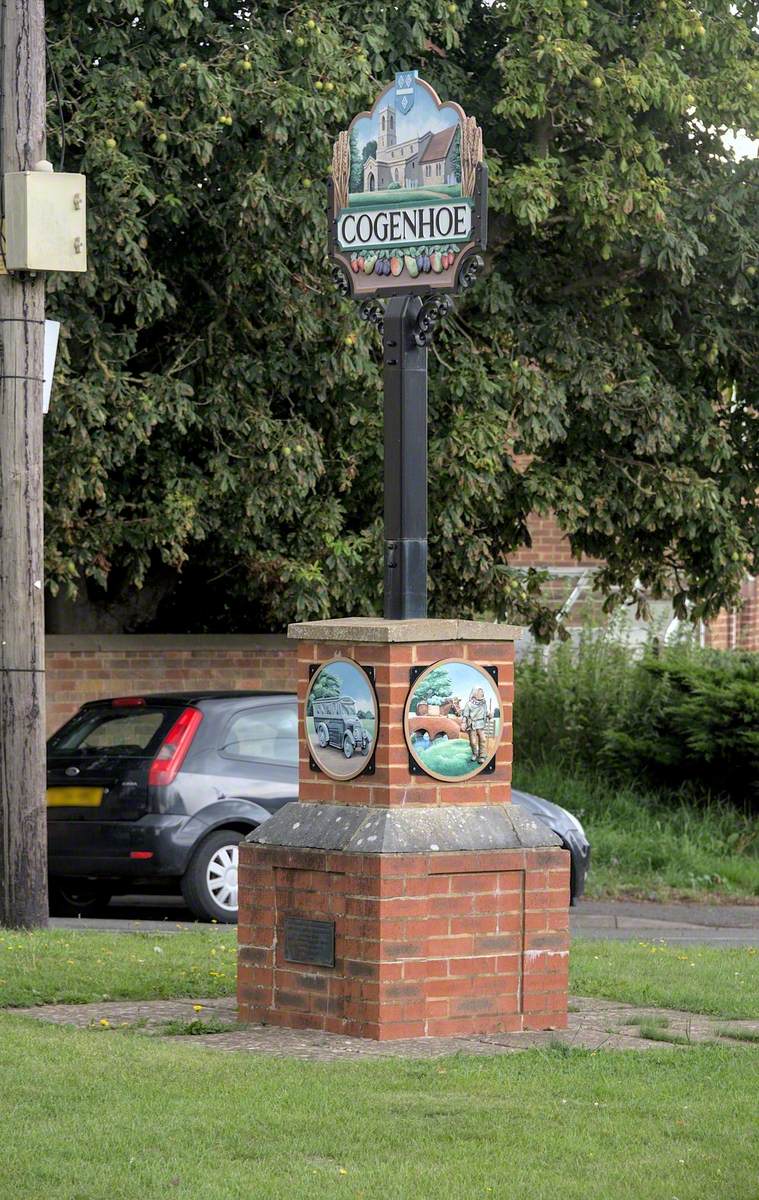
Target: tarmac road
{"x":616,"y":920}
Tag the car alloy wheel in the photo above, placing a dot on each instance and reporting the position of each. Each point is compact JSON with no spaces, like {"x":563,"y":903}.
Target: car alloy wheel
{"x":221,"y":877}
{"x":209,"y":885}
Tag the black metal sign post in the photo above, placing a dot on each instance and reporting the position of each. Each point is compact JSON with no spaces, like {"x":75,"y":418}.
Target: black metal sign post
{"x":408,"y":325}
{"x":409,"y":240}
{"x":405,"y":372}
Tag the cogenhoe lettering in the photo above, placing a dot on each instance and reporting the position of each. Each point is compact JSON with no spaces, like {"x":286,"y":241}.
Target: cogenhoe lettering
{"x":405,"y":226}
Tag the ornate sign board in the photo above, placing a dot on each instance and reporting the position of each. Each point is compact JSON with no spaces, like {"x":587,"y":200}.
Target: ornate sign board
{"x":342,"y":721}
{"x":453,"y":720}
{"x":408,"y":196}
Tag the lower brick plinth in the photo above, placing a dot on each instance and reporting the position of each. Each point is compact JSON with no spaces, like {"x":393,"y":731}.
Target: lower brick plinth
{"x":436,"y":945}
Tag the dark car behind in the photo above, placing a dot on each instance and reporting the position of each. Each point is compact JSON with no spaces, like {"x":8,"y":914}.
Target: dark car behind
{"x":154,"y":790}
{"x":154,"y":793}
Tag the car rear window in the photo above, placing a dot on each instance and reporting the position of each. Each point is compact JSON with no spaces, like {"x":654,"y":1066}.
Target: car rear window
{"x":128,"y":732}
{"x":263,"y":733}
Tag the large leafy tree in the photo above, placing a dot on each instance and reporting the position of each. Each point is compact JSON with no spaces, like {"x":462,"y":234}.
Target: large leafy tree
{"x":214,"y":444}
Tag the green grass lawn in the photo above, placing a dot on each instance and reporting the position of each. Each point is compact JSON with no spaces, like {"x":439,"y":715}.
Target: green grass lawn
{"x":59,"y":966}
{"x":644,"y":846}
{"x":437,"y":193}
{"x":698,"y":979}
{"x":136,"y":1119}
{"x":452,"y":758}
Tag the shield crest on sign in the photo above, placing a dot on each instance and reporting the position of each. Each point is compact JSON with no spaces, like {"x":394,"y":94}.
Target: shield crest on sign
{"x":405,"y":84}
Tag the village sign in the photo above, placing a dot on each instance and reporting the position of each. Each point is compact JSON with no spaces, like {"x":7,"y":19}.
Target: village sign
{"x":407,"y":225}
{"x":408,"y":196}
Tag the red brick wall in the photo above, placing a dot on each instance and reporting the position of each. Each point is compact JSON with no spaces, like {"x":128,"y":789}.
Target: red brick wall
{"x":391,"y":784}
{"x":738,"y":630}
{"x":550,"y":547}
{"x":89,"y":666}
{"x":425,"y":945}
{"x":749,"y":616}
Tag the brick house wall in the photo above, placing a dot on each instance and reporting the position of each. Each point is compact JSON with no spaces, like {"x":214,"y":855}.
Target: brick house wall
{"x":88,"y":666}
{"x":550,"y":547}
{"x":550,"y":550}
{"x":737,"y":630}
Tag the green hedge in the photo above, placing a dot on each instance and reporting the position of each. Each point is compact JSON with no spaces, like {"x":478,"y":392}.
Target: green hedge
{"x":675,"y":716}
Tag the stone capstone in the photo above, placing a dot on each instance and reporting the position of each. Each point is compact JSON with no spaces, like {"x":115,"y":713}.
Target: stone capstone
{"x":422,"y":829}
{"x":421,"y":629}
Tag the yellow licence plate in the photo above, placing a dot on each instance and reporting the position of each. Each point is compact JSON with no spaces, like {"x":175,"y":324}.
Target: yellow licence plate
{"x":74,"y":797}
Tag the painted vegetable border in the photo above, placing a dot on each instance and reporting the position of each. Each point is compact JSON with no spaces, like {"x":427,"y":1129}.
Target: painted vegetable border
{"x":417,"y":260}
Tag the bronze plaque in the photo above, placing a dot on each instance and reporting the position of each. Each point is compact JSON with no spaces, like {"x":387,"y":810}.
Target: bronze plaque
{"x":310,"y":941}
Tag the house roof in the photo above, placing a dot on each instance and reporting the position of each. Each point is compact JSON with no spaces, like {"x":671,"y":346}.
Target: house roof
{"x":439,"y":144}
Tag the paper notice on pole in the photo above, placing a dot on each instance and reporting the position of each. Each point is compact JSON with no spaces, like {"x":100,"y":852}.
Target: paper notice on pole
{"x":52,"y":329}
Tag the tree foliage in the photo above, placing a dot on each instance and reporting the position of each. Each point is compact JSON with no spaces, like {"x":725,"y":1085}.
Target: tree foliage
{"x":215,"y":433}
{"x":437,"y":684}
{"x":697,"y":724}
{"x":673,"y":716}
{"x":327,"y":687}
{"x":369,"y":151}
{"x":356,"y":177}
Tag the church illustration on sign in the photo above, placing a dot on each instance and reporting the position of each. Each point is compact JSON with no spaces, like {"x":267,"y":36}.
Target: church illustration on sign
{"x":405,"y":199}
{"x":426,"y":160}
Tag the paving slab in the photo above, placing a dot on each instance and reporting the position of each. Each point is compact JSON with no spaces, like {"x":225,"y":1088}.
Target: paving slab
{"x":593,"y":1025}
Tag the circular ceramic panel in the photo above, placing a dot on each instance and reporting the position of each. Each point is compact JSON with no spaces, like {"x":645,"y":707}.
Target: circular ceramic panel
{"x":453,"y":720}
{"x":341,"y":718}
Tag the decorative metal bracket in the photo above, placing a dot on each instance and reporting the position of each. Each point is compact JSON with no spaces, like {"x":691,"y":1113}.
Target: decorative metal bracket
{"x":340,"y":280}
{"x":373,"y":311}
{"x":469,"y":271}
{"x":434,"y":309}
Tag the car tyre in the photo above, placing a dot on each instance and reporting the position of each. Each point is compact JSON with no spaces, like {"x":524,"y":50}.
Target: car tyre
{"x":323,"y":735}
{"x":348,"y":746}
{"x":69,"y":898}
{"x":209,"y":885}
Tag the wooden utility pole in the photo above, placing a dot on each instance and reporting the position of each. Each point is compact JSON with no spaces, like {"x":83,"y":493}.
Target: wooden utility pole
{"x":23,"y":850}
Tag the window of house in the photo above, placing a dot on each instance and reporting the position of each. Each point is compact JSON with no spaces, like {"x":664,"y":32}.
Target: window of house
{"x":270,"y":734}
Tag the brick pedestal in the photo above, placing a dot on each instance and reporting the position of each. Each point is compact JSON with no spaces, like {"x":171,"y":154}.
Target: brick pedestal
{"x":450,"y":907}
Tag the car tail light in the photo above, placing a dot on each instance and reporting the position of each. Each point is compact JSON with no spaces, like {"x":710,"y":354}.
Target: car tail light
{"x":128,"y":702}
{"x":165,"y":766}
{"x":140,"y":853}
